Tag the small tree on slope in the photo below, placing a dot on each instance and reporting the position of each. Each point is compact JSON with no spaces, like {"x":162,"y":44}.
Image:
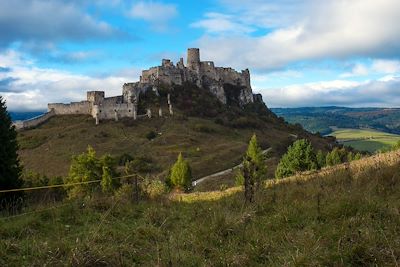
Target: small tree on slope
{"x":253,"y":170}
{"x":10,"y":169}
{"x":299,"y":157}
{"x":180,"y":174}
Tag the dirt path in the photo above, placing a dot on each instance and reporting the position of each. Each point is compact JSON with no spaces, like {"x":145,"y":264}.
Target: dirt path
{"x":220,"y":173}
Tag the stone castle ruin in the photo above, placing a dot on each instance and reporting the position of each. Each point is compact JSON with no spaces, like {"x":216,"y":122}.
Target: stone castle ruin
{"x":202,"y":73}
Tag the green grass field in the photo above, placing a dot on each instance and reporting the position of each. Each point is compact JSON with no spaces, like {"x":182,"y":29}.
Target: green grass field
{"x":365,"y":140}
{"x":347,"y":216}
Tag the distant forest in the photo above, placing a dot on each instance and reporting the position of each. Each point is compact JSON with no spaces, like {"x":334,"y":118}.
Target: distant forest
{"x":321,"y":119}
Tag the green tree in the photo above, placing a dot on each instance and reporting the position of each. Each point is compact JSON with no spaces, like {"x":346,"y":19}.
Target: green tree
{"x":299,"y":157}
{"x":10,"y":169}
{"x":321,"y":159}
{"x":333,"y":157}
{"x":84,"y":168}
{"x":180,"y":174}
{"x":357,"y":156}
{"x":350,"y":156}
{"x":256,"y":158}
{"x":106,"y":181}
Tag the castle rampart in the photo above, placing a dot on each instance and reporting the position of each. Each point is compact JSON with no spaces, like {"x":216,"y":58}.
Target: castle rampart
{"x":202,"y":73}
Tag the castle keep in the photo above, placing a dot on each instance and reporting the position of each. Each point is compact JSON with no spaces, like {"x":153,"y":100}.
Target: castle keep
{"x":202,"y":73}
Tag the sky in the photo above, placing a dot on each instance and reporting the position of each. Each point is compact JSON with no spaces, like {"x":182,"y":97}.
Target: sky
{"x":300,"y":53}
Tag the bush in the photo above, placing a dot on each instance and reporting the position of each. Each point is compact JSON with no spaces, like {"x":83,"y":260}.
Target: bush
{"x":151,"y":135}
{"x":125,"y":193}
{"x":153,"y":188}
{"x":124,"y":158}
{"x":180,"y":175}
{"x":299,"y":157}
{"x":140,"y":164}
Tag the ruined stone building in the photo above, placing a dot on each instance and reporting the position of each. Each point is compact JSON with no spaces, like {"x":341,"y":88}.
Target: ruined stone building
{"x":202,"y":73}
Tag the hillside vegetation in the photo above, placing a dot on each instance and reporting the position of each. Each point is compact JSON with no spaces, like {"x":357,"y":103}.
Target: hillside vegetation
{"x":321,"y":119}
{"x":346,"y":215}
{"x":208,"y":145}
{"x":365,"y":140}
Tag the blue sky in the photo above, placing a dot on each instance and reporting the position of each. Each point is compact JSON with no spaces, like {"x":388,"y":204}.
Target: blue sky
{"x":300,"y":53}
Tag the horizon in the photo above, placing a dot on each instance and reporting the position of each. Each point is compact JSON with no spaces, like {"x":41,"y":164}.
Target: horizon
{"x":56,"y":51}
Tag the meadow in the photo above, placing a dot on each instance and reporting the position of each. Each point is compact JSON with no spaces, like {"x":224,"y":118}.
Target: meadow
{"x":346,"y":215}
{"x":365,"y":139}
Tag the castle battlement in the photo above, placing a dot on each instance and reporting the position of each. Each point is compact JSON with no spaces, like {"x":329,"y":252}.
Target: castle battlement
{"x":202,"y":73}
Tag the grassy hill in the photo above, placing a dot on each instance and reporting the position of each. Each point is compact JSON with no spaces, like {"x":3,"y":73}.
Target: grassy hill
{"x":365,"y":140}
{"x":208,"y":145}
{"x":347,"y":215}
{"x":321,"y":119}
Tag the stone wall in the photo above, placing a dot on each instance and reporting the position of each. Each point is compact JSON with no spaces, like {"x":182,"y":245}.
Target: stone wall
{"x":34,"y":121}
{"x":83,"y":107}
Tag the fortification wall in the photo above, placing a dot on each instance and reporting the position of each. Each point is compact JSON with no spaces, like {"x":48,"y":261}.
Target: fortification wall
{"x":34,"y":121}
{"x":108,"y":111}
{"x":83,"y":107}
{"x":112,"y":100}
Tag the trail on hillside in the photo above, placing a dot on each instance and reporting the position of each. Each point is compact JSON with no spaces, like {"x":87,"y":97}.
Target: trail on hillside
{"x":220,"y":173}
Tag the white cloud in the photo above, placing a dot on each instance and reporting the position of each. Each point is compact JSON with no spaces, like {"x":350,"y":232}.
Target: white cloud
{"x":386,"y":66}
{"x":358,"y":70}
{"x":32,"y":87}
{"x":156,"y":13}
{"x":217,"y":23}
{"x":322,"y":29}
{"x":380,"y":93}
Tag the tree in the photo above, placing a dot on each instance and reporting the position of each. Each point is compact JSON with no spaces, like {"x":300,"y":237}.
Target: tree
{"x":253,"y":162}
{"x":87,"y":167}
{"x":106,"y":181}
{"x":84,"y":168}
{"x":321,"y":159}
{"x":10,"y":169}
{"x":180,"y":174}
{"x":299,"y":157}
{"x":333,"y":157}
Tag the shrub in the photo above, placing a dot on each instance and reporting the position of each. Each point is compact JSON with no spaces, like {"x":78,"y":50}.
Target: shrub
{"x":140,"y":164}
{"x":124,"y":158}
{"x":153,"y":188}
{"x":151,"y":135}
{"x":124,"y":193}
{"x":321,"y":159}
{"x":180,"y":175}
{"x":299,"y":157}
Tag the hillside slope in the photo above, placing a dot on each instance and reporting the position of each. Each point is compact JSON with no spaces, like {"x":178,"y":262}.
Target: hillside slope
{"x":347,"y":215}
{"x":207,"y":143}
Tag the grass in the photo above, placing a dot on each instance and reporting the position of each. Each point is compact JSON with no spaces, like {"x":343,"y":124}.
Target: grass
{"x":347,"y":215}
{"x":208,"y":146}
{"x":365,"y":140}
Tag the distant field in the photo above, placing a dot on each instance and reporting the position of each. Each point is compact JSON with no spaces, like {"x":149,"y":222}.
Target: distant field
{"x":369,"y":140}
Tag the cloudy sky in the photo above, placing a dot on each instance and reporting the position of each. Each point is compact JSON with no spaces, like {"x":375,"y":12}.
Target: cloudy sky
{"x":300,"y":53}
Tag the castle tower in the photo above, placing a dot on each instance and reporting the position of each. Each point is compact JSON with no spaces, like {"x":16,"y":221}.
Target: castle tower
{"x":193,"y":58}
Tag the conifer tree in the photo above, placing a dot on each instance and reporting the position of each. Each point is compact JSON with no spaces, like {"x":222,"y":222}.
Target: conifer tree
{"x":180,"y":174}
{"x":321,"y":159}
{"x":299,"y":157}
{"x":10,"y":169}
{"x":256,"y":158}
{"x":106,"y":180}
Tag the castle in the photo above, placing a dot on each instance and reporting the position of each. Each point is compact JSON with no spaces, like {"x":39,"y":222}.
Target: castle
{"x":202,"y":73}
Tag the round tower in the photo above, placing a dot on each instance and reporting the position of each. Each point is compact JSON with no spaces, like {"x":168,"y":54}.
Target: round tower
{"x":193,"y":58}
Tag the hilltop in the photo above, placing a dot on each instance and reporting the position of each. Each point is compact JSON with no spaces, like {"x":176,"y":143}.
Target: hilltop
{"x":343,"y":215}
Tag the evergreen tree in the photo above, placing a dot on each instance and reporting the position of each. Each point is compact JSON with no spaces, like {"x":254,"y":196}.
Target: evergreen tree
{"x":253,"y":157}
{"x":180,"y":174}
{"x":357,"y":156}
{"x":106,"y":180}
{"x":10,"y":169}
{"x":321,"y":159}
{"x":350,"y":156}
{"x":299,"y":157}
{"x":333,"y":157}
